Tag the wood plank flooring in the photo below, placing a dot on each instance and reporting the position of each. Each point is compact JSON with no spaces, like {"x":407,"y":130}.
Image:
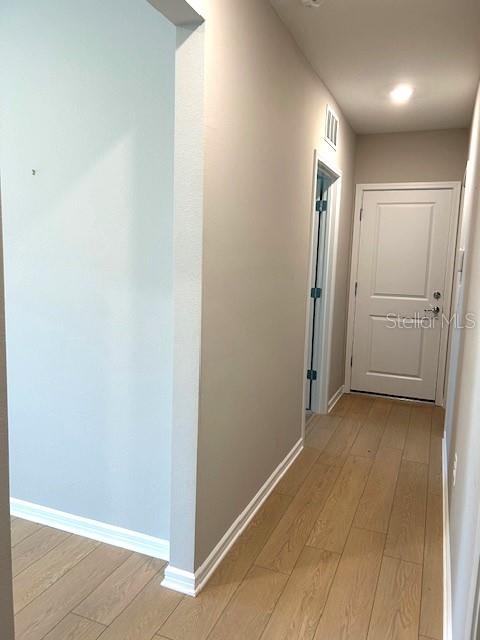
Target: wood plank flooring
{"x":348,"y":547}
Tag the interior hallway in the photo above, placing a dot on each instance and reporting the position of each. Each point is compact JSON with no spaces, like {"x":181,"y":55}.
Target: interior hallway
{"x":348,"y":546}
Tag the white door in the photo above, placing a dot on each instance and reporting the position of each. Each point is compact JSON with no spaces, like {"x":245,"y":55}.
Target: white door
{"x":401,"y":281}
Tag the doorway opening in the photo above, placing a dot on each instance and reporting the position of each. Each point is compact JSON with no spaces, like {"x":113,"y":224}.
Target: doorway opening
{"x":326,"y":186}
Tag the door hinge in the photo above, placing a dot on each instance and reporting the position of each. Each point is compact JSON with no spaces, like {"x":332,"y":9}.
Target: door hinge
{"x":311,"y":374}
{"x":361,"y":214}
{"x":356,"y":288}
{"x":315,"y":293}
{"x":321,"y":206}
{"x":461,"y":264}
{"x":351,"y":361}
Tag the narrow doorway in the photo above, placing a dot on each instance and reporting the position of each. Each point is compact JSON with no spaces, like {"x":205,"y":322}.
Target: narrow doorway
{"x":317,"y":286}
{"x":320,"y":294}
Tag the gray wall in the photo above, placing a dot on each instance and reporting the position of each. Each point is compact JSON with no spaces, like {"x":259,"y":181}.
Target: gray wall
{"x":465,"y":441}
{"x":419,"y":156}
{"x":265,"y":114}
{"x":6,"y":602}
{"x":87,"y":93}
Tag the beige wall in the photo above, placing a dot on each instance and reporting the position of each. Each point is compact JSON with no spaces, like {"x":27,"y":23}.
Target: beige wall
{"x":465,"y":439}
{"x":6,"y":604}
{"x":425,"y":156}
{"x":265,"y":114}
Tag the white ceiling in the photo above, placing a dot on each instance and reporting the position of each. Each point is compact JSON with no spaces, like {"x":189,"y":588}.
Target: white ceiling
{"x":362,"y":48}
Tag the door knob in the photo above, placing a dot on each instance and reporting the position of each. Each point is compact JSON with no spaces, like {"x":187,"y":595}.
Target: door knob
{"x":434,"y":310}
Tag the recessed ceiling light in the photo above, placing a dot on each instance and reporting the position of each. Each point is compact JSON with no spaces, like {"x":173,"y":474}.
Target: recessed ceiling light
{"x":401,"y":94}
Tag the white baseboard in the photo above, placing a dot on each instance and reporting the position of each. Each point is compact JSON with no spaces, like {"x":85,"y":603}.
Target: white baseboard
{"x":180,"y":580}
{"x":336,"y":397}
{"x":447,"y":575}
{"x":100,"y":531}
{"x":192,"y":583}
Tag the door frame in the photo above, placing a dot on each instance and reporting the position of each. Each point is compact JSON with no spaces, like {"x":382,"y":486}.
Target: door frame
{"x":323,"y":362}
{"x":458,"y":290}
{"x":455,"y":187}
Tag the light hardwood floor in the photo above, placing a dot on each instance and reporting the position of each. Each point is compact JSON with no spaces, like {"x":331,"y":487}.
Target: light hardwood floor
{"x":348,"y":547}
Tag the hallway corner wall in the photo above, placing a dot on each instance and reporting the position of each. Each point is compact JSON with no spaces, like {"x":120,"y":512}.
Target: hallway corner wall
{"x":265,"y":115}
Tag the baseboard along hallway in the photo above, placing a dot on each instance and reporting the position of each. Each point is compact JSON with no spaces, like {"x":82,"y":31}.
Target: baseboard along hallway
{"x":349,"y":545}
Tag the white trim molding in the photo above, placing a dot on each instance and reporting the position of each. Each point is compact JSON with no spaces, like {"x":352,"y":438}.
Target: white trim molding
{"x":191,"y":584}
{"x":324,"y":351}
{"x":336,"y":397}
{"x":447,"y":574}
{"x":93,"y":529}
{"x":181,"y":581}
{"x":455,"y":187}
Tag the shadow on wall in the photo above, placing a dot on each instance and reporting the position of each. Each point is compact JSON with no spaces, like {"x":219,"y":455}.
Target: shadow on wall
{"x":87,"y":126}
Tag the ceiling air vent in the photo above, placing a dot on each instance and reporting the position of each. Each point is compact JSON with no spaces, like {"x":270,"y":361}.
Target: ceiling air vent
{"x":331,"y":127}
